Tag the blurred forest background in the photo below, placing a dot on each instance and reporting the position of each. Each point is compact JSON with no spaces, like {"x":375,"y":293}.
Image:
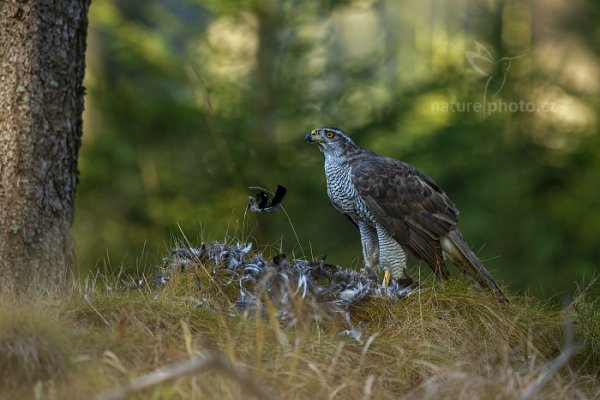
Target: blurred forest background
{"x":191,"y":102}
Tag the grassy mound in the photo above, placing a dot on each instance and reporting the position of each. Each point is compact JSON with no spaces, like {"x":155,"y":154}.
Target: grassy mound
{"x":185,"y":340}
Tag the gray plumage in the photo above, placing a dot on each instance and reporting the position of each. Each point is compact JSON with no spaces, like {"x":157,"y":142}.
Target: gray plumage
{"x":395,"y":208}
{"x":326,"y":291}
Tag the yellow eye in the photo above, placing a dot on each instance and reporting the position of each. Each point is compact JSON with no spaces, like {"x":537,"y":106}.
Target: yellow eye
{"x":329,"y":134}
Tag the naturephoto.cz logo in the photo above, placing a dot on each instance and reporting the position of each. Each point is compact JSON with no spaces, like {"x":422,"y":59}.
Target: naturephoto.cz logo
{"x":496,"y":74}
{"x":488,"y":108}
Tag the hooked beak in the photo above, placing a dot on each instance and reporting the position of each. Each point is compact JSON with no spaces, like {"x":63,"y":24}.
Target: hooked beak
{"x":313,"y":137}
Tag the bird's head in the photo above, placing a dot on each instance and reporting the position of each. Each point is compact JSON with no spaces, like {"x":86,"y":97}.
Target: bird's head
{"x":330,"y":140}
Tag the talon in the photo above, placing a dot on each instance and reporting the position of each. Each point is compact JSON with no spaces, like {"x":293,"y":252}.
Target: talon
{"x":386,"y":278}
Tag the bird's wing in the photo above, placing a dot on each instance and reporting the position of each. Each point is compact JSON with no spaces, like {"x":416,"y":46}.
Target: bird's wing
{"x":408,"y":204}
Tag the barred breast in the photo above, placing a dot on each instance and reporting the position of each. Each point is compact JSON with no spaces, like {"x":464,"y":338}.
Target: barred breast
{"x":343,"y":195}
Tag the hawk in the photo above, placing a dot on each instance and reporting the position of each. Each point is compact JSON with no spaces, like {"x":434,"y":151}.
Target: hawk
{"x":395,"y":208}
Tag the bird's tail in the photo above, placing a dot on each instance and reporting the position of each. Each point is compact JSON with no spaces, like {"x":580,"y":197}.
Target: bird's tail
{"x":461,"y":254}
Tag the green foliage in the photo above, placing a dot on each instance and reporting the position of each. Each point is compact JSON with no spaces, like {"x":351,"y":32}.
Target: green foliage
{"x":192,"y":102}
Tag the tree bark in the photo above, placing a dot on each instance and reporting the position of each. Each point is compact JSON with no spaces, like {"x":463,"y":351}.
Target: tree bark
{"x":42,"y":64}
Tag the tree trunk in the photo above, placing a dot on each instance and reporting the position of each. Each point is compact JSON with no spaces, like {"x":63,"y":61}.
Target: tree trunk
{"x":42,"y":64}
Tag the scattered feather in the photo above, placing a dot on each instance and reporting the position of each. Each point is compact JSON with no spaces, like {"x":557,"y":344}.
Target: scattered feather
{"x":261,"y":201}
{"x":283,"y":283}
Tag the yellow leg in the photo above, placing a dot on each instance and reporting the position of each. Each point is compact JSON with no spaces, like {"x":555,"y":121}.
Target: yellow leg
{"x":386,"y":278}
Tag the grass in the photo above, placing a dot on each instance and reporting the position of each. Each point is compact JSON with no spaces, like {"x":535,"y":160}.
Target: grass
{"x":447,"y":341}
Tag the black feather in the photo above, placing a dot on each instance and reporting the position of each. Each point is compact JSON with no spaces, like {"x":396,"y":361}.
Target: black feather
{"x":261,"y":201}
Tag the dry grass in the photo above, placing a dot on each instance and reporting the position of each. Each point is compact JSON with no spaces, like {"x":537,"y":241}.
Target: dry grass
{"x":448,"y":341}
{"x":32,"y":347}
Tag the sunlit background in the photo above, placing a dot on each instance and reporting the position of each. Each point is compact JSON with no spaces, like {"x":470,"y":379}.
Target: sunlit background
{"x":190,"y":103}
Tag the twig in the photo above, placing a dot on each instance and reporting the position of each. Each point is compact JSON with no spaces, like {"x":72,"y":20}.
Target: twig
{"x":368,"y":389}
{"x":180,"y":369}
{"x":366,"y":348}
{"x":570,"y":348}
{"x":87,"y":300}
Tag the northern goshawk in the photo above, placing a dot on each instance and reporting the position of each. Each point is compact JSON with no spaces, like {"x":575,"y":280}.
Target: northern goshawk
{"x":395,"y":208}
